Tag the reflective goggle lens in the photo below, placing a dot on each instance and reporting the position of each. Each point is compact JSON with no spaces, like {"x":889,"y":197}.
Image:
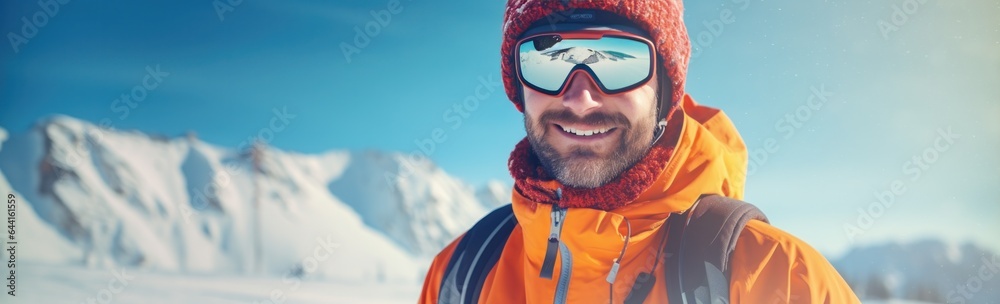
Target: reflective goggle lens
{"x":616,"y":63}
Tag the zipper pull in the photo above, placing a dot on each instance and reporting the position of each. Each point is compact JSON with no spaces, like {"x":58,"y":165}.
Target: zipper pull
{"x":558,"y":215}
{"x":613,"y":274}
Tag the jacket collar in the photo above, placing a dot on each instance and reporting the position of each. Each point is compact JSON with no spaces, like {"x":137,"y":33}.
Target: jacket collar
{"x":700,"y":153}
{"x":533,"y":182}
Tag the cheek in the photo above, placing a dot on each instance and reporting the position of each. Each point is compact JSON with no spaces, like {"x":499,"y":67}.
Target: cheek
{"x":535,"y":102}
{"x":639,"y":103}
{"x":533,"y":106}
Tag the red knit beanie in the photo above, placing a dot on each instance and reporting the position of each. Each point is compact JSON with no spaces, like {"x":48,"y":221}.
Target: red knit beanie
{"x":662,"y":19}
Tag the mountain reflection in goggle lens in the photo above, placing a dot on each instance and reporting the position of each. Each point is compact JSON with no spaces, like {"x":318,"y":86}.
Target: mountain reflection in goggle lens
{"x":617,"y":62}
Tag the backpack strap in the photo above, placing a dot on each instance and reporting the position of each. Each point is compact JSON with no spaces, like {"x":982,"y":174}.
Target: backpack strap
{"x":475,"y":255}
{"x":699,"y":244}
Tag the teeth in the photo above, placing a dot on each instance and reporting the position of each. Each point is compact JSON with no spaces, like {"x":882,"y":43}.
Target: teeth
{"x":585,"y":132}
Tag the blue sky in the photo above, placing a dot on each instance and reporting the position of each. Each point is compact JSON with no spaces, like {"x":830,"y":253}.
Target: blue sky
{"x":888,"y":90}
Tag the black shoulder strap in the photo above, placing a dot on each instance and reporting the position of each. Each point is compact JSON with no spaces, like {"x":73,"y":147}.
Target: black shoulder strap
{"x":475,"y":255}
{"x":698,"y":247}
{"x":699,"y":244}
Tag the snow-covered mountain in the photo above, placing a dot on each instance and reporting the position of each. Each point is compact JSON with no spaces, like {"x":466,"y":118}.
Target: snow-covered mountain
{"x":38,"y":240}
{"x":494,"y":194}
{"x":107,"y":197}
{"x":928,"y":270}
{"x":413,"y":201}
{"x":580,"y":55}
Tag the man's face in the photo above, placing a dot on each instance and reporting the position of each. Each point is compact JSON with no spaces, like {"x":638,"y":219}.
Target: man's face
{"x":621,"y":128}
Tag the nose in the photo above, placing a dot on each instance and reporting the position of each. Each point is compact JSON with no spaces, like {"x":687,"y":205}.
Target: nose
{"x":582,"y":95}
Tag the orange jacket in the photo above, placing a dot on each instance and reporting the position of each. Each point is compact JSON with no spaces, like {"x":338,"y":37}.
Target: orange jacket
{"x":768,"y":265}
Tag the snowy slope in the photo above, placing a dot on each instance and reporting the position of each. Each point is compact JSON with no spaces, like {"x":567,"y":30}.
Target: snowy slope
{"x":411,"y":200}
{"x":118,"y":198}
{"x":927,"y":270}
{"x":74,"y":284}
{"x":38,"y":241}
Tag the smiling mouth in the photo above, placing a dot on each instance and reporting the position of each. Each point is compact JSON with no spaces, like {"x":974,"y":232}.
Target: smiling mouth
{"x":585,"y":132}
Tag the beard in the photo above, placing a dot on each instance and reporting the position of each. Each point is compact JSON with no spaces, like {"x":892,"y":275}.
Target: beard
{"x":581,"y":166}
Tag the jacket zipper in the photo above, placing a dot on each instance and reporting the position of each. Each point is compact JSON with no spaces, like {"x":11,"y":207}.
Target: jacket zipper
{"x":554,"y":245}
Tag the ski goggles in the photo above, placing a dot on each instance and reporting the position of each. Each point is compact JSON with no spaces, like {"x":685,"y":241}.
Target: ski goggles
{"x":617,"y":61}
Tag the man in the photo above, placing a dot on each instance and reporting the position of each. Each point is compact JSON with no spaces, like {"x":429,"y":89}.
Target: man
{"x":614,"y":150}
